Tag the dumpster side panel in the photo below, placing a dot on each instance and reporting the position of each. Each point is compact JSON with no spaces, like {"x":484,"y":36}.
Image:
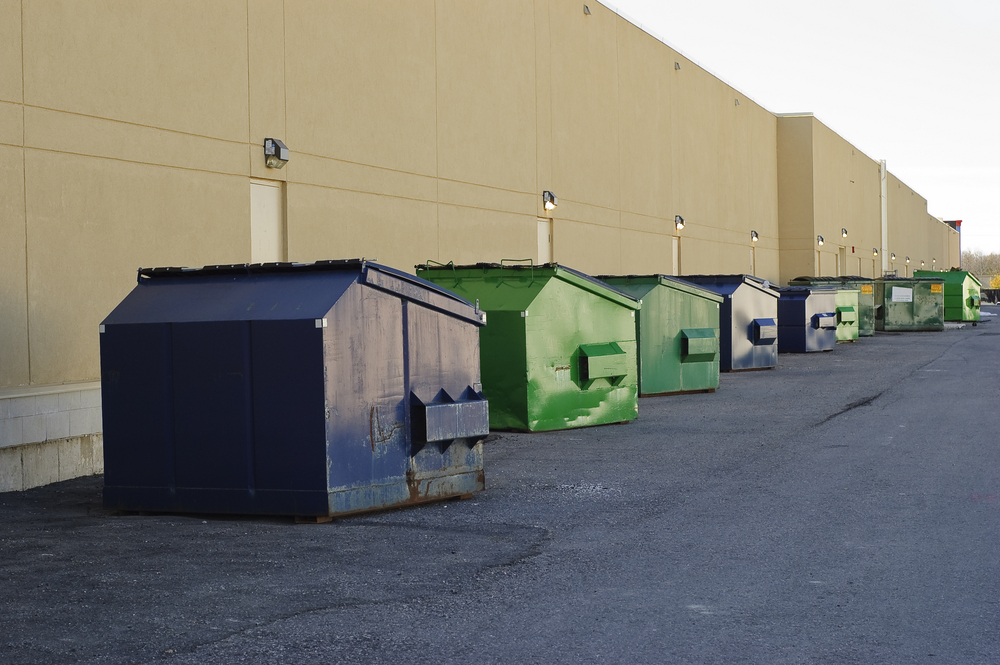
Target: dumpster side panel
{"x":368,"y":452}
{"x":562,"y":319}
{"x":212,"y":416}
{"x":792,"y":324}
{"x":444,"y":365}
{"x":137,"y":401}
{"x":750,"y":306}
{"x":972,"y":298}
{"x":928,"y":306}
{"x":183,"y":433}
{"x":658,"y":336}
{"x":847,"y":315}
{"x":807,"y":320}
{"x":866,"y":308}
{"x":650,"y":334}
{"x":910,"y":305}
{"x":726,"y":330}
{"x":697,"y":313}
{"x":289,"y":417}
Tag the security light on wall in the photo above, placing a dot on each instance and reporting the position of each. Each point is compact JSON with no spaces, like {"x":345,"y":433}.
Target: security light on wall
{"x":819,"y":240}
{"x":679,"y":222}
{"x":933,"y":260}
{"x":549,"y":200}
{"x":907,"y":259}
{"x":874,"y":251}
{"x":921,"y":264}
{"x":892,"y":256}
{"x":843,"y":233}
{"x":677,"y":65}
{"x":275,"y":153}
{"x":586,"y":10}
{"x":754,"y":237}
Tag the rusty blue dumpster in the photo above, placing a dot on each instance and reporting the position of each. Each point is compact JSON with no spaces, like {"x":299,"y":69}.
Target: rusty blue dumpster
{"x":311,"y":390}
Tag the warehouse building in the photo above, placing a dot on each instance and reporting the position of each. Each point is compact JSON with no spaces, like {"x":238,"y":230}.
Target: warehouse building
{"x":133,"y":134}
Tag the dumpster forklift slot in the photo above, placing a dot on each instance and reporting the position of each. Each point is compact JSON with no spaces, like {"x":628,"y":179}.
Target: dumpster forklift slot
{"x":765,"y":331}
{"x":699,"y":345}
{"x":445,"y":419}
{"x":846,"y":315}
{"x":603,"y":361}
{"x":825,"y":321}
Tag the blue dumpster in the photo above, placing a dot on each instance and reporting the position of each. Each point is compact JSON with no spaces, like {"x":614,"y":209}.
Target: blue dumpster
{"x":748,"y":320}
{"x":311,"y":390}
{"x":807,"y":319}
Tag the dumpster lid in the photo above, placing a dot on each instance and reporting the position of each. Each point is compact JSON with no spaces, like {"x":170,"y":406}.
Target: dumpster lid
{"x":953,"y":276}
{"x":273,"y":291}
{"x":575,"y":277}
{"x":806,"y":288}
{"x":668,"y":281}
{"x":810,"y":279}
{"x":909,"y":279}
{"x":727,"y":284}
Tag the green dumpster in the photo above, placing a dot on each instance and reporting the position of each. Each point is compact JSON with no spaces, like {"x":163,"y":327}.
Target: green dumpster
{"x":909,"y":304}
{"x":962,"y":293}
{"x":559,"y":347}
{"x":848,"y":306}
{"x":866,"y":298}
{"x":678,"y":333}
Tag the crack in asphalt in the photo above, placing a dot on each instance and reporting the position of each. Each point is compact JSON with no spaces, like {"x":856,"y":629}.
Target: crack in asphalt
{"x":850,"y":407}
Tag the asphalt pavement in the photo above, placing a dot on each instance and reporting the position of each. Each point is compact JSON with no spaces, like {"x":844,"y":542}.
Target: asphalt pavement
{"x":841,"y":508}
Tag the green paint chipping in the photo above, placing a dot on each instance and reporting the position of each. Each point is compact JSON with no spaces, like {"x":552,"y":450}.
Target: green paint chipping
{"x":559,"y":348}
{"x":909,"y":304}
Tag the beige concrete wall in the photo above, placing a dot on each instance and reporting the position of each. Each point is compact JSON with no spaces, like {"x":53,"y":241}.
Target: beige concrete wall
{"x":825,"y":185}
{"x":912,"y":231}
{"x":723,"y":186}
{"x":847,"y":195}
{"x":134,"y":154}
{"x":13,"y":276}
{"x":796,"y":201}
{"x":10,"y":54}
{"x":180,"y":66}
{"x":419,"y":129}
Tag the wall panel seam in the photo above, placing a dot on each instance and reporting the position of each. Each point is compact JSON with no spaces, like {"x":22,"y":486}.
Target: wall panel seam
{"x":132,"y":161}
{"x":136,"y":124}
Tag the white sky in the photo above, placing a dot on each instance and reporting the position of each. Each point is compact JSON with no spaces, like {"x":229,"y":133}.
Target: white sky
{"x":913,"y":82}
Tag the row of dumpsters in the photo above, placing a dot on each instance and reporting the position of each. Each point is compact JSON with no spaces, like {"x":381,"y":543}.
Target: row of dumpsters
{"x":325,"y":389}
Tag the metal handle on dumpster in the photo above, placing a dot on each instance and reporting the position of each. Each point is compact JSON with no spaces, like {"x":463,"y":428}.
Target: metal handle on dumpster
{"x":531,"y":263}
{"x":450,"y":264}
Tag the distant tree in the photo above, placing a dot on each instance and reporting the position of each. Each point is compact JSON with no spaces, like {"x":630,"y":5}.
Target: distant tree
{"x":986,"y":267}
